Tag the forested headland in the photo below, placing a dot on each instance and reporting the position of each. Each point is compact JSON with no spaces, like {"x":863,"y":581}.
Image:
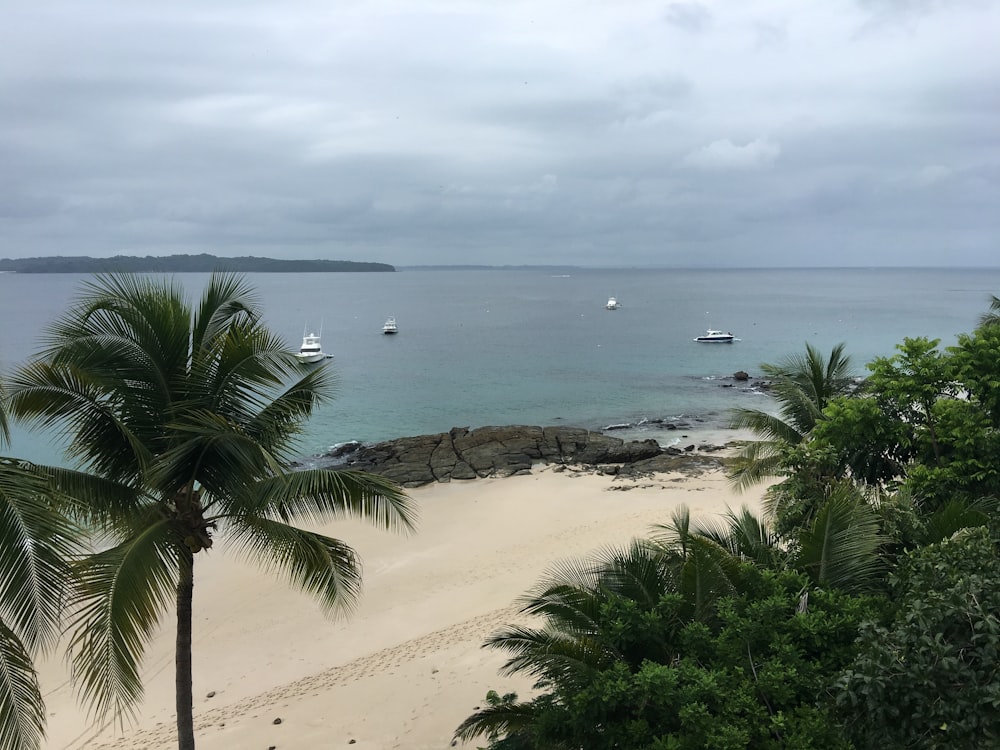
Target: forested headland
{"x":202,"y":263}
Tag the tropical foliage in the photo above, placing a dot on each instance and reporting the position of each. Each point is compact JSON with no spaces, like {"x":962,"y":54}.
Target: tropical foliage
{"x":720,"y":636}
{"x":802,"y":386}
{"x":928,"y":678}
{"x":863,"y":613}
{"x":182,"y":421}
{"x":928,"y":422}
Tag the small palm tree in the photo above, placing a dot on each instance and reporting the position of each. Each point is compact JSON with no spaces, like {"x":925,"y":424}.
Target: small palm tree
{"x":183,"y":420}
{"x":802,"y":386}
{"x":36,"y":543}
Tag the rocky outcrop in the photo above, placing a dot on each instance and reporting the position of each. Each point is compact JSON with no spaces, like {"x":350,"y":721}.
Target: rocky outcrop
{"x":500,"y":451}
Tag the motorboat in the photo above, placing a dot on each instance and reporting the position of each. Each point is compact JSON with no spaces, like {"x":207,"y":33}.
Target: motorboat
{"x":389,"y":327}
{"x":612,"y":303}
{"x":311,"y":350}
{"x":717,"y":337}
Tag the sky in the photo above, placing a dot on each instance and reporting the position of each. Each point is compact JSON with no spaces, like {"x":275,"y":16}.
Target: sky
{"x":504,"y":132}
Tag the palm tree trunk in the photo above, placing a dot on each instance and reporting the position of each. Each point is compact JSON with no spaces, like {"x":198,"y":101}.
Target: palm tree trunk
{"x":182,"y":657}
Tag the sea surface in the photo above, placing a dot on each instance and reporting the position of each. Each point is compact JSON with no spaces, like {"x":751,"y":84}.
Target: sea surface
{"x":537,"y":346}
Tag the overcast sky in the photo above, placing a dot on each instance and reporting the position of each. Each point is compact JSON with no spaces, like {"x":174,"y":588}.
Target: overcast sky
{"x":585,"y":132}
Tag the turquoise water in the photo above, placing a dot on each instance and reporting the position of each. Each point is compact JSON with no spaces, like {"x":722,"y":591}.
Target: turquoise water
{"x":480,"y":347}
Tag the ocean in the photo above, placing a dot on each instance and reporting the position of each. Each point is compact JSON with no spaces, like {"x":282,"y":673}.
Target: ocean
{"x":537,"y":346}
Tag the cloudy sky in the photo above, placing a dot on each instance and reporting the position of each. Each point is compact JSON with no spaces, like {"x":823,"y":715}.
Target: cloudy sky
{"x":586,"y":132}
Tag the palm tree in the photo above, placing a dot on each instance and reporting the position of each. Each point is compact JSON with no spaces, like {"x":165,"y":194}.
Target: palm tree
{"x":182,"y":420}
{"x":36,"y":543}
{"x":802,"y":386}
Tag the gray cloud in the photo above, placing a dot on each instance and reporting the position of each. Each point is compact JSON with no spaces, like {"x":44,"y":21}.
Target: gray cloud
{"x":451,"y":131}
{"x":689,"y":15}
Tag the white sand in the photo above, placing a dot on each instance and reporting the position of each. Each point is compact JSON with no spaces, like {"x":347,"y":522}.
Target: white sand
{"x":407,"y":667}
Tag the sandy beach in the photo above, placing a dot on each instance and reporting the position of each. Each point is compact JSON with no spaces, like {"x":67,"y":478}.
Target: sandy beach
{"x":406,"y":667}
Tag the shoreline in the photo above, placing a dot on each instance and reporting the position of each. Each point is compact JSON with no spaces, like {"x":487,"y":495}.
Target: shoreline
{"x":407,"y":667}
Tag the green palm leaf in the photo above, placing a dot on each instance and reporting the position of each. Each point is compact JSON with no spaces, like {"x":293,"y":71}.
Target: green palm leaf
{"x":227,"y":298}
{"x":67,"y":398}
{"x":992,"y":317}
{"x":4,"y":426}
{"x":551,"y":655}
{"x":706,"y":570}
{"x":497,"y":721}
{"x":124,"y":590}
{"x":746,"y":536}
{"x":95,"y":503}
{"x":321,"y":495}
{"x":641,"y":572}
{"x":317,"y":564}
{"x":35,"y":543}
{"x":840,"y":548}
{"x":22,"y":713}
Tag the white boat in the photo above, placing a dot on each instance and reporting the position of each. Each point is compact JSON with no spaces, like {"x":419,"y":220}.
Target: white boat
{"x":389,"y":327}
{"x":717,"y":337}
{"x":612,"y":303}
{"x":311,"y":350}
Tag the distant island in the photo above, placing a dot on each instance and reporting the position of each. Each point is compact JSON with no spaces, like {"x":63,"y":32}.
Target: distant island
{"x":203,"y":263}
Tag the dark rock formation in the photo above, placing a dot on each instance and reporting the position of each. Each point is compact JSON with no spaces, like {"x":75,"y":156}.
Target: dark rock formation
{"x":741,"y":375}
{"x":500,"y":452}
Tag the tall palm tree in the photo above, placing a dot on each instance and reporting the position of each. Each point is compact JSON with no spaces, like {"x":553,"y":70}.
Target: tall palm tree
{"x":802,"y":386}
{"x":182,"y":419}
{"x":36,"y":543}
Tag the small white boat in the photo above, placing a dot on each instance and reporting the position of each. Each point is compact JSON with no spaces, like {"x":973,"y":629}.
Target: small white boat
{"x":717,"y":337}
{"x":612,"y":303}
{"x":389,"y":327}
{"x":311,"y":350}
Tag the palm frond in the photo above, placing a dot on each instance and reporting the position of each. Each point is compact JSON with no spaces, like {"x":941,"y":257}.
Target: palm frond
{"x":57,"y":397}
{"x":319,"y":565}
{"x":746,"y":536}
{"x":281,"y":418}
{"x":955,"y":515}
{"x":497,"y":721}
{"x":22,"y":712}
{"x":840,"y":548}
{"x":991,"y":318}
{"x":571,"y":609}
{"x":94,"y":502}
{"x":755,"y":462}
{"x":768,"y":426}
{"x":642,"y":572}
{"x":227,"y":298}
{"x":123,"y":592}
{"x":550,"y":654}
{"x":706,"y":570}
{"x":36,"y":541}
{"x":4,"y":426}
{"x":321,"y":495}
{"x":124,"y":327}
{"x":222,"y":458}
